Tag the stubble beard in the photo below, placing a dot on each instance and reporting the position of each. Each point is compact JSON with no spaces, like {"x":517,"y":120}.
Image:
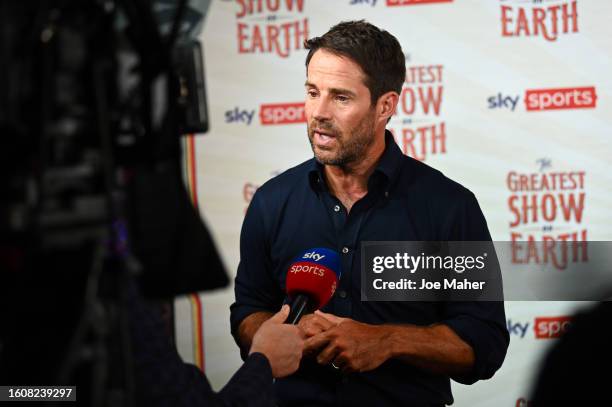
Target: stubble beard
{"x":351,"y":147}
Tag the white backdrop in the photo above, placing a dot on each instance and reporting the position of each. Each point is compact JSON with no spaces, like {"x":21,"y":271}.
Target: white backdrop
{"x":511,"y":98}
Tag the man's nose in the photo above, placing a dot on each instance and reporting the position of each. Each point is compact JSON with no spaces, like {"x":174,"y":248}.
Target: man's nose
{"x":321,"y":110}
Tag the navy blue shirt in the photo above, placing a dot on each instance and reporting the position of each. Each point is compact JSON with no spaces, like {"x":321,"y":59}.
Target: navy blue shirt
{"x":406,"y":201}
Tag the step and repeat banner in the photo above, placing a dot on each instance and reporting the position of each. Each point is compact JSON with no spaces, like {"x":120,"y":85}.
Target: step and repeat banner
{"x":510,"y":98}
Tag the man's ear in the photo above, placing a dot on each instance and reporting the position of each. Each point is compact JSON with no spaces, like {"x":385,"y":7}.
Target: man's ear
{"x":386,"y":105}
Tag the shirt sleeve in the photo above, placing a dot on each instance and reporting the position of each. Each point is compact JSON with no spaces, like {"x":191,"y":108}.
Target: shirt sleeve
{"x":255,"y":287}
{"x":251,"y":385}
{"x":481,"y":324}
{"x":162,"y":379}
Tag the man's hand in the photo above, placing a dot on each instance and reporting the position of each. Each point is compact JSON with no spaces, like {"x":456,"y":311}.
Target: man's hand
{"x":281,"y":343}
{"x":314,"y":324}
{"x":357,"y":347}
{"x":311,"y":325}
{"x":350,"y":345}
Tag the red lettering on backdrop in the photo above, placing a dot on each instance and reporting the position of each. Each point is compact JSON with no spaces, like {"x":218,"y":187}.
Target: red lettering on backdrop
{"x":539,"y":21}
{"x":547,"y":200}
{"x":560,"y":98}
{"x":420,"y":101}
{"x":551,"y":327}
{"x":270,"y":38}
{"x":282,"y":113}
{"x":522,"y":402}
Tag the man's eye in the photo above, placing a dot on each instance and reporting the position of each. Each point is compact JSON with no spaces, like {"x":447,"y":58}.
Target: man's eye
{"x":342,"y":98}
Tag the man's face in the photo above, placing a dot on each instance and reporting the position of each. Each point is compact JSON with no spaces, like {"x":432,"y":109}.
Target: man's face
{"x":341,"y":119}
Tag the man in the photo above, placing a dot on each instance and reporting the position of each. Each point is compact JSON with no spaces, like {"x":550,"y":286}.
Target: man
{"x":163,"y":379}
{"x":360,"y":187}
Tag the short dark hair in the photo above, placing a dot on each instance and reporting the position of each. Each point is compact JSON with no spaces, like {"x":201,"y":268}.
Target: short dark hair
{"x":377,"y":52}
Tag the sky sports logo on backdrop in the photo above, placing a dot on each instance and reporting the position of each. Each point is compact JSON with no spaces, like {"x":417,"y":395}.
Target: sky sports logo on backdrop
{"x":269,"y":114}
{"x":392,"y":3}
{"x":560,"y":98}
{"x":543,"y":327}
{"x":282,"y":113}
{"x":537,"y":100}
{"x":551,"y":327}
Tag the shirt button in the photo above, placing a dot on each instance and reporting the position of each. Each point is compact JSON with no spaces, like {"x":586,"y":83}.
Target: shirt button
{"x":345,"y":250}
{"x":337,"y":208}
{"x":342,"y":294}
{"x":386,"y":194}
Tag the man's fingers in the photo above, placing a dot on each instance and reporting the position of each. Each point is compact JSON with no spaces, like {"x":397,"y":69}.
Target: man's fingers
{"x":280,"y":316}
{"x":327,"y":355}
{"x":333,"y":319}
{"x":325,"y":323}
{"x":320,"y":324}
{"x":316,"y":342}
{"x":306,"y":322}
{"x":314,"y":324}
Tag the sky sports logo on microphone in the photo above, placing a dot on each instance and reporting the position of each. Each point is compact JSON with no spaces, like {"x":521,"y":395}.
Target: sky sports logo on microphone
{"x":307,"y":268}
{"x":314,"y":273}
{"x":537,"y":100}
{"x":304,"y":264}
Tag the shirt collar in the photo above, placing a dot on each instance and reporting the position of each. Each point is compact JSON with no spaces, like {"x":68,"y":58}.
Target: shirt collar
{"x":387,"y":167}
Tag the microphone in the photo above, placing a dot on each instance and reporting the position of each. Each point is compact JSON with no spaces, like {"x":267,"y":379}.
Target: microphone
{"x":311,"y":281}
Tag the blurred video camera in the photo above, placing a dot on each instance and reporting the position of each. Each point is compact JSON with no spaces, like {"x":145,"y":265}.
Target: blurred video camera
{"x":96,"y":95}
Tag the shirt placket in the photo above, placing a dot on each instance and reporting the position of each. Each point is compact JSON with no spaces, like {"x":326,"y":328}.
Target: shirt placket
{"x":347,"y":227}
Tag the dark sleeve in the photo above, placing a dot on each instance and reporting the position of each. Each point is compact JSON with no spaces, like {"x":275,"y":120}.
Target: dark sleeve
{"x":255,"y":288}
{"x":162,"y":379}
{"x":251,"y":385}
{"x":481,"y":324}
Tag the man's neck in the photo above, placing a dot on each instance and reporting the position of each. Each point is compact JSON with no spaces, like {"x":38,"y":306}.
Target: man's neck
{"x":350,"y":183}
